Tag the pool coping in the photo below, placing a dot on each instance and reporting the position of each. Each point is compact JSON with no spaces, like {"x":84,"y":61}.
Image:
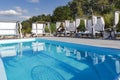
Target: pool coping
{"x":90,"y":42}
{"x":115,"y":44}
{"x":16,"y":40}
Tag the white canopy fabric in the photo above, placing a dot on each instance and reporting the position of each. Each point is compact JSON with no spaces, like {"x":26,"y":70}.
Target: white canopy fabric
{"x":100,"y":24}
{"x":116,"y":18}
{"x":67,"y":23}
{"x":38,"y":28}
{"x":89,"y":26}
{"x":72,"y":26}
{"x":8,"y":28}
{"x":96,"y":25}
{"x":85,"y":22}
{"x":94,"y":22}
{"x":58,"y":25}
{"x":77,"y":22}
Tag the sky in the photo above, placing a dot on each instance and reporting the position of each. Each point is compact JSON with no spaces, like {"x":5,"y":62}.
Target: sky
{"x":24,"y":9}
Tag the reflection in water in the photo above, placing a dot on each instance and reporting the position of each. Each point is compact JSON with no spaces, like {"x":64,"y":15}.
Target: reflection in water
{"x":20,"y":48}
{"x":8,"y":51}
{"x":98,"y":63}
{"x":78,"y":55}
{"x":37,"y":46}
{"x":67,"y":52}
{"x":86,"y":54}
{"x":96,"y":58}
{"x":117,"y":64}
{"x":59,"y":49}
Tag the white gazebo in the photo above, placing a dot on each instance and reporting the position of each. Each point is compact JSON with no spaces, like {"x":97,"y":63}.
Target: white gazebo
{"x":38,"y":28}
{"x":10,"y":28}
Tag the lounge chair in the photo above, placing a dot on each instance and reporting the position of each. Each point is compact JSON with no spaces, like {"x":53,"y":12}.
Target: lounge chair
{"x":60,"y":29}
{"x":10,"y":28}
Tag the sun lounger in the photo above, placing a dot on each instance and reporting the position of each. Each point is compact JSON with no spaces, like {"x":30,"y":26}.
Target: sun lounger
{"x":60,"y":29}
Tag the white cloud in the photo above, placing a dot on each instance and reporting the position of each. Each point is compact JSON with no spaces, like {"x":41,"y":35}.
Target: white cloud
{"x":16,"y":12}
{"x":37,"y":9}
{"x":9,"y":13}
{"x":25,"y":17}
{"x":34,"y":1}
{"x":20,"y":10}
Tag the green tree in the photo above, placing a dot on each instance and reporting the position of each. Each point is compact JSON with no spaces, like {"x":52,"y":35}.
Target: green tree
{"x":61,"y":13}
{"x":26,"y":27}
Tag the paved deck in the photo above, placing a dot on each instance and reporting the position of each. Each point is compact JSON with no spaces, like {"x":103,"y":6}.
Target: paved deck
{"x":93,"y":42}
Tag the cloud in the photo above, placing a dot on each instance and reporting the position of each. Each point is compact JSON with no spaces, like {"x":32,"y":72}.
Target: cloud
{"x":37,"y":9}
{"x":34,"y":1}
{"x":17,"y":12}
{"x":24,"y":17}
{"x":20,"y":10}
{"x":10,"y":12}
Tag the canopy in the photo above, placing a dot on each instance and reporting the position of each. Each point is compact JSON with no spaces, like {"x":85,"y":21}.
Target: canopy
{"x":116,"y":18}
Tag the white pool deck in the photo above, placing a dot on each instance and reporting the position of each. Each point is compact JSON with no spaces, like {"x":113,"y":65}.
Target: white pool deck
{"x":92,"y":42}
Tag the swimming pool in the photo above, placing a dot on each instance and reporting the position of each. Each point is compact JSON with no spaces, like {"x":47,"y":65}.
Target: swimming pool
{"x":40,"y":59}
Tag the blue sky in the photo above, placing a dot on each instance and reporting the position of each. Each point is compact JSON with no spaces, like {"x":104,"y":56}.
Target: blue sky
{"x":23,"y":9}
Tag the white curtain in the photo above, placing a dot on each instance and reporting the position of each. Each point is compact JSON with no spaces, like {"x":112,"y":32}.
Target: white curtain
{"x":38,"y":28}
{"x":103,"y":23}
{"x":94,"y":22}
{"x":77,"y":22}
{"x":85,"y":22}
{"x":58,"y":25}
{"x":116,"y":18}
{"x":67,"y":23}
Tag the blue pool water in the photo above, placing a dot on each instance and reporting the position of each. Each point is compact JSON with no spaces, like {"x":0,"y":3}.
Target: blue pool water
{"x":52,"y":60}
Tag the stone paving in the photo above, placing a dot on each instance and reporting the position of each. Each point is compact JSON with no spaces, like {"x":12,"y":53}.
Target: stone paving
{"x":93,"y":42}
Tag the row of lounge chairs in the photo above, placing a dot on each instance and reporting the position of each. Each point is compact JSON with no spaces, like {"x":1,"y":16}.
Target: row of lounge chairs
{"x":93,"y":27}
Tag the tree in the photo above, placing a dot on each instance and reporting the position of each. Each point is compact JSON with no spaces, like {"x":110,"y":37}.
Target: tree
{"x":26,"y":27}
{"x":61,"y":13}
